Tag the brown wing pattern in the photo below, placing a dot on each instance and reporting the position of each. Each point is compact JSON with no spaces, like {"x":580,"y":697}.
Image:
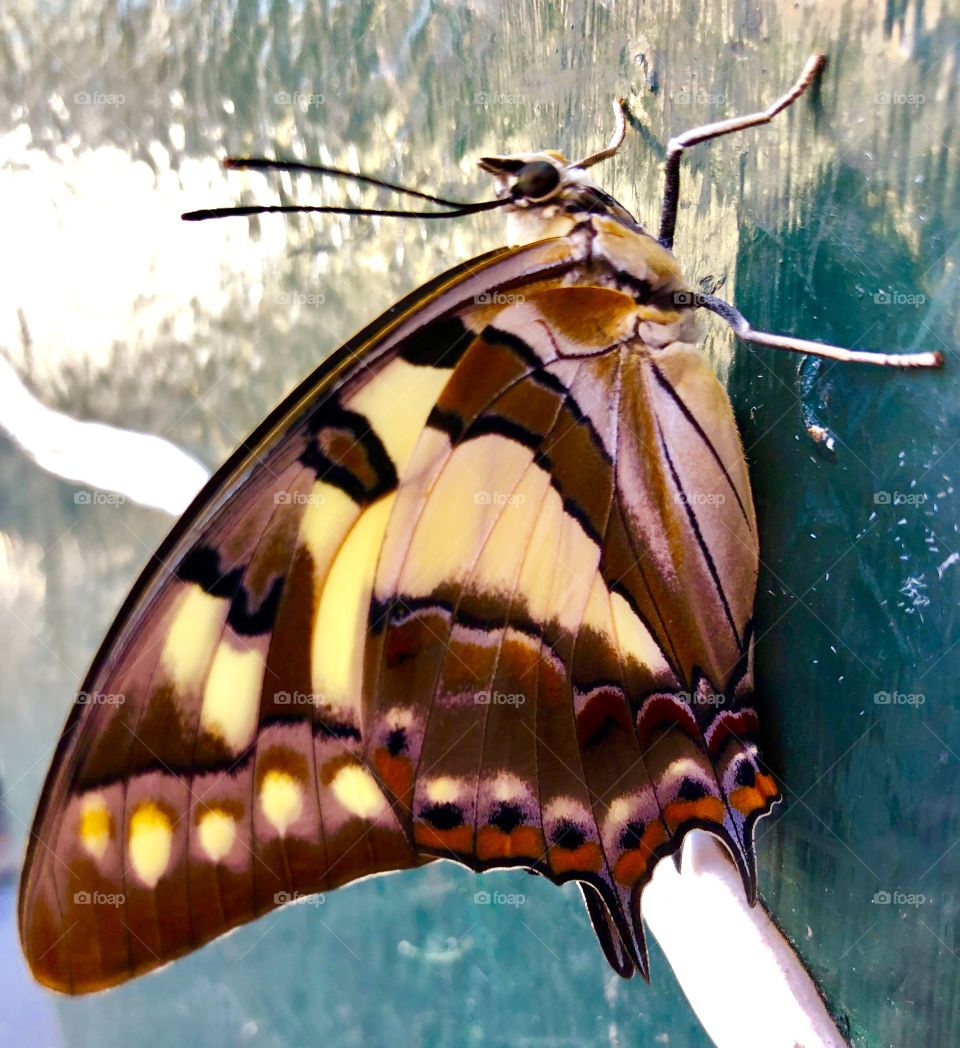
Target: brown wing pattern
{"x":607,"y":570}
{"x":480,"y":589}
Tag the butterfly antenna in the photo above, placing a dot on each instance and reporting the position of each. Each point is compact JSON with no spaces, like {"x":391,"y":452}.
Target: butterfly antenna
{"x":236,"y":163}
{"x":307,"y":209}
{"x":456,"y":208}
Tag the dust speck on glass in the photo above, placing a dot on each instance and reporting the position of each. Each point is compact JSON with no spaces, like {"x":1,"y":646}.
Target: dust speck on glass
{"x":841,"y":223}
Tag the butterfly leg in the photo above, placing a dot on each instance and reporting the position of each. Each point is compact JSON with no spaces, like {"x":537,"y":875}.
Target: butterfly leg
{"x":696,"y":135}
{"x":745,"y":331}
{"x":620,"y":113}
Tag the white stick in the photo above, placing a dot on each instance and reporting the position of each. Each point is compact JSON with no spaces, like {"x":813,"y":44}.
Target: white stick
{"x":708,"y":932}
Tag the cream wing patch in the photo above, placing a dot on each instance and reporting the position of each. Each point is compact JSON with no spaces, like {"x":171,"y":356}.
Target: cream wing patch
{"x":231,"y":697}
{"x":149,"y":842}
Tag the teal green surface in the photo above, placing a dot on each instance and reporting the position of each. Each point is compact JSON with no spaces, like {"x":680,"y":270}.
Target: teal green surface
{"x":839,"y":222}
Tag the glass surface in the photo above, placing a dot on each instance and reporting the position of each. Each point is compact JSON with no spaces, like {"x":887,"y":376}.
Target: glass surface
{"x":838,"y":222}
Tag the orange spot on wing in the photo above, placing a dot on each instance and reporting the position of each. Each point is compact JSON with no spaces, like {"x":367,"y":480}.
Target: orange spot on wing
{"x":634,"y":864}
{"x":587,"y":857}
{"x":396,"y":773}
{"x":525,"y":842}
{"x":746,"y":799}
{"x":708,"y":809}
{"x":459,"y":839}
{"x":766,"y":785}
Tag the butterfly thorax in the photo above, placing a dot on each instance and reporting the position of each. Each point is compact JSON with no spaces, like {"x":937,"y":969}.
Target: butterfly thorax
{"x":550,"y":198}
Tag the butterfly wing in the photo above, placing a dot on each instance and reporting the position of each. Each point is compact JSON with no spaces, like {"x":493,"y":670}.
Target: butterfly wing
{"x":211,"y":768}
{"x":479,"y":589}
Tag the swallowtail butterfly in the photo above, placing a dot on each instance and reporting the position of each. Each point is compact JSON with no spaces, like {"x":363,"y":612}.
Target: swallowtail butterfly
{"x":475,"y":590}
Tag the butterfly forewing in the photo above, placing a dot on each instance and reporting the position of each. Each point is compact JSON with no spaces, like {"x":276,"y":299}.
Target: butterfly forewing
{"x":479,"y":589}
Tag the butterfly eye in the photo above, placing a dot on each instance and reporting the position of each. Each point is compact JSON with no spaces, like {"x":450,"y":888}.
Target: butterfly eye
{"x":537,"y":180}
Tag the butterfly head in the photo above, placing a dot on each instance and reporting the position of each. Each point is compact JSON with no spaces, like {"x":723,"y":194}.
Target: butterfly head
{"x":547,"y":195}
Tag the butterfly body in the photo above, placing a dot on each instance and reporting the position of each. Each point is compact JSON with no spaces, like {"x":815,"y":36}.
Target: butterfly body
{"x":481,"y":588}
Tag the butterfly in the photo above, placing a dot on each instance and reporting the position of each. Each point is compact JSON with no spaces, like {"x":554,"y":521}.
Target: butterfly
{"x":481,"y":588}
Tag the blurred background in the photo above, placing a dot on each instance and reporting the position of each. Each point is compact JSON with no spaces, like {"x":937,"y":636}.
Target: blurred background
{"x":839,"y":222}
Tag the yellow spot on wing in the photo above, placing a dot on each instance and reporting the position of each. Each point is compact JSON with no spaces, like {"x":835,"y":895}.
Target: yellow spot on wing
{"x":356,"y":789}
{"x":329,"y":515}
{"x":281,"y":799}
{"x":443,"y":790}
{"x":151,"y":834}
{"x":231,"y":698}
{"x":192,"y":636}
{"x":634,"y":638}
{"x":217,"y":831}
{"x":96,"y":826}
{"x":336,"y":657}
{"x":397,"y":401}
